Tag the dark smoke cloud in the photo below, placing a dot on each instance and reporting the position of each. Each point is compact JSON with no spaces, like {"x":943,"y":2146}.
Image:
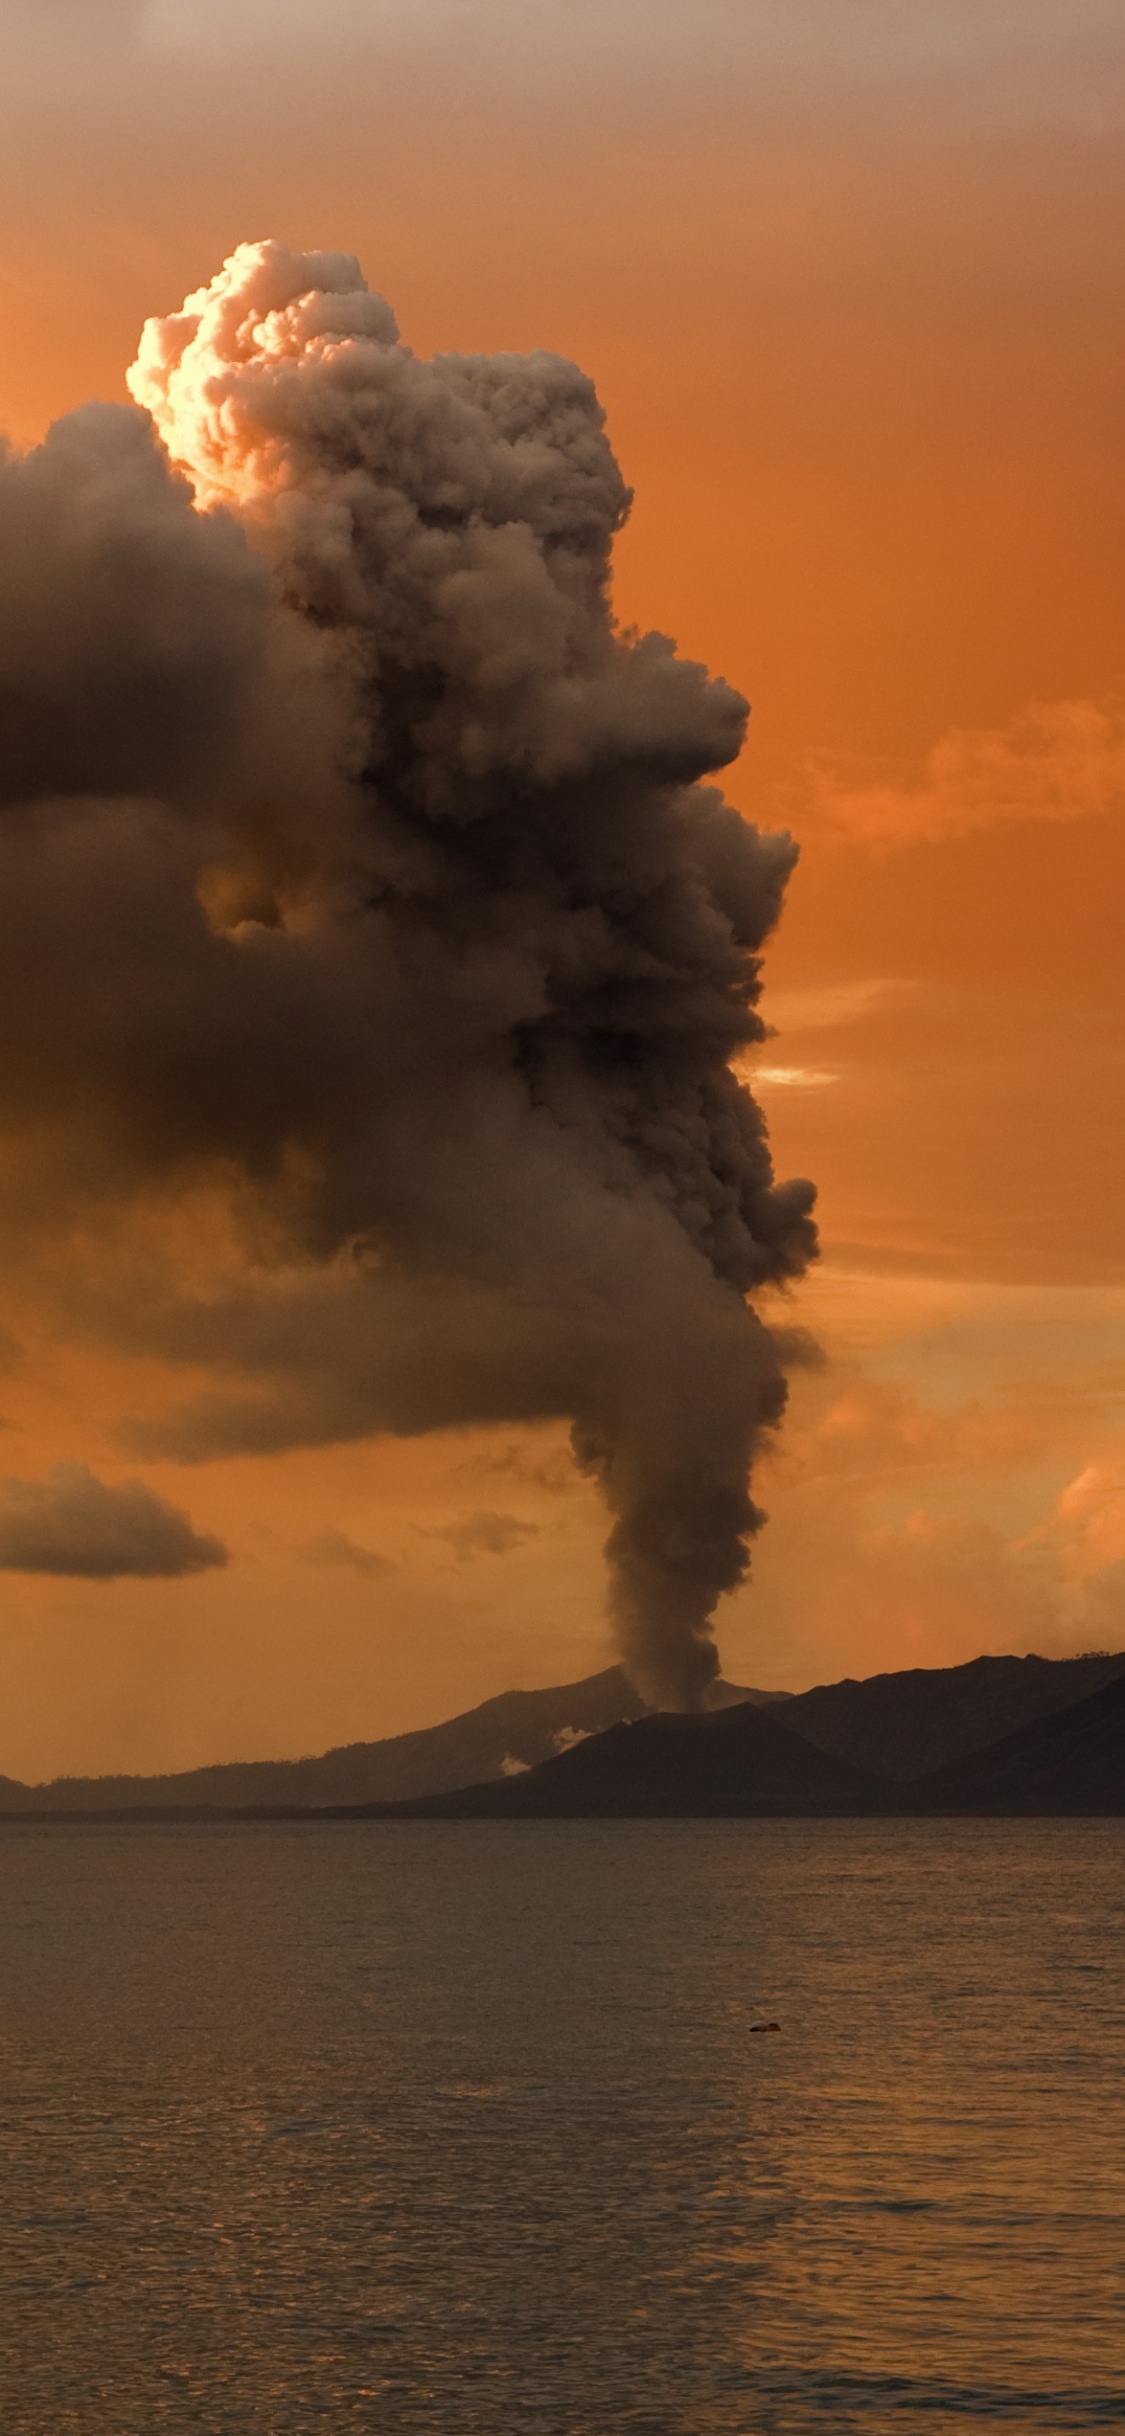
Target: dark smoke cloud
{"x":357,"y":873}
{"x":73,"y":1523}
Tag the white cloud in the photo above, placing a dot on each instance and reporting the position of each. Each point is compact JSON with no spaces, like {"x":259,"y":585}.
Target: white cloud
{"x":793,"y":1078}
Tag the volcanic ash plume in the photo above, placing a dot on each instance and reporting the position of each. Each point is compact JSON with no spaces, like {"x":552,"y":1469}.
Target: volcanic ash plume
{"x":422,"y":931}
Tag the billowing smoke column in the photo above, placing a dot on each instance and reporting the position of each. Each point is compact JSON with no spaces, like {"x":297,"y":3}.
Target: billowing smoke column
{"x":369,"y":870}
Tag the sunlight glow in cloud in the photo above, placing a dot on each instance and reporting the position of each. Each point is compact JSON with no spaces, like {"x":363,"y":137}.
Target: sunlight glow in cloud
{"x":794,"y":1078}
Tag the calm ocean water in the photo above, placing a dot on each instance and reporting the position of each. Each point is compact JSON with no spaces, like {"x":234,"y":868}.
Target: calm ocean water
{"x":456,"y":2127}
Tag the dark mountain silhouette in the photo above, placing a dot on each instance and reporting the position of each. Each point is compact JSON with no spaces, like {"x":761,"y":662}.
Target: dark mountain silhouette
{"x":742,"y":1762}
{"x":515,"y":1728}
{"x":912,"y":1728}
{"x":1071,"y":1764}
{"x":906,"y":1724}
{"x":750,"y":1762}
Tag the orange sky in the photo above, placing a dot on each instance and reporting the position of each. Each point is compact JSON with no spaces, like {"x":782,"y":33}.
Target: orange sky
{"x":851,"y":291}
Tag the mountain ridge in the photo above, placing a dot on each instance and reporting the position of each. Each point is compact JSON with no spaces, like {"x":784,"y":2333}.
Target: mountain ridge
{"x":907,"y":1723}
{"x":738,"y":1762}
{"x":1068,"y":1765}
{"x":747,"y":1762}
{"x":886,"y":1728}
{"x":519,"y":1728}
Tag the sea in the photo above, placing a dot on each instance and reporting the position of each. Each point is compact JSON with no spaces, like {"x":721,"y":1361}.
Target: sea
{"x":477,"y":2128}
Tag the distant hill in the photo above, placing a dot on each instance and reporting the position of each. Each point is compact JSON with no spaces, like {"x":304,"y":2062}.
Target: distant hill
{"x":749,"y":1762}
{"x":907,"y":1724}
{"x":740,"y":1763}
{"x":899,"y":1727}
{"x":513,"y":1731}
{"x":1071,"y":1764}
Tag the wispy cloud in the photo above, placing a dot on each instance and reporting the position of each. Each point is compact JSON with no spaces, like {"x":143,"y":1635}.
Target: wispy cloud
{"x":332,"y":1547}
{"x":832,"y":1004}
{"x":483,"y":1534}
{"x":1056,"y":761}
